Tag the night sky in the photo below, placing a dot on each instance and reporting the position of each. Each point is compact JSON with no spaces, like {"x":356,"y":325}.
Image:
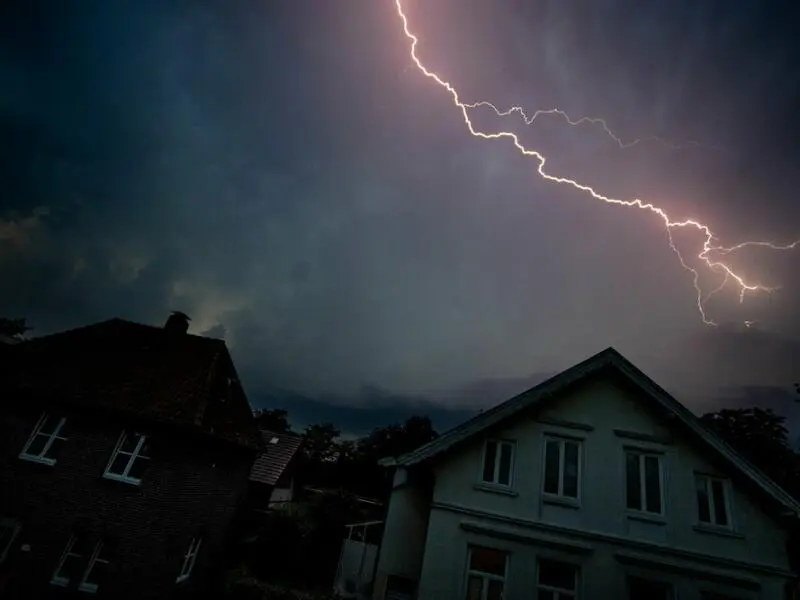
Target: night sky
{"x":282,"y":172}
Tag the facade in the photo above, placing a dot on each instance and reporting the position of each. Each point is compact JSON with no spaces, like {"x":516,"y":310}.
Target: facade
{"x":272,"y":478}
{"x":124,"y":452}
{"x":594,"y":484}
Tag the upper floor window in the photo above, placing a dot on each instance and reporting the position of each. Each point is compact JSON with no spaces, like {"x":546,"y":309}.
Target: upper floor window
{"x":498,"y":462}
{"x":9,"y":528}
{"x":562,"y":468}
{"x":486,"y":574}
{"x":81,"y":560}
{"x":96,"y":568}
{"x":129,"y":459}
{"x":44,"y":441}
{"x":556,"y":580}
{"x":644,"y":477}
{"x":712,"y":501}
{"x":189,"y":558}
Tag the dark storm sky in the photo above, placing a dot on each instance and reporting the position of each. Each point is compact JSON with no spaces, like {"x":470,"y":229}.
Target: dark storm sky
{"x":281,"y":172}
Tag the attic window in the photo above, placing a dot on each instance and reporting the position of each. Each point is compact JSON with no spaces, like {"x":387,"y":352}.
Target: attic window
{"x":274,"y":440}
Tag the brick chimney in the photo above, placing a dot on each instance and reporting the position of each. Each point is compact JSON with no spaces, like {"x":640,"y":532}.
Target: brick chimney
{"x":177,"y":323}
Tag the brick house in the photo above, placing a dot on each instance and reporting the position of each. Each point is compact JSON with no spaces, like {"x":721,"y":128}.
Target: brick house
{"x":125,"y":450}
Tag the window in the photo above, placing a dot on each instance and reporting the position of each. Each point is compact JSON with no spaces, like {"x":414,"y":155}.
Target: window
{"x":562,"y":468}
{"x":69,"y":565}
{"x":712,"y":501}
{"x":643,"y":482}
{"x":643,"y":589}
{"x":45,"y":439}
{"x":96,"y":569}
{"x":556,"y":580}
{"x":486,"y":574}
{"x":129,"y":458}
{"x":498,"y":458}
{"x":189,"y":559}
{"x":9,"y":528}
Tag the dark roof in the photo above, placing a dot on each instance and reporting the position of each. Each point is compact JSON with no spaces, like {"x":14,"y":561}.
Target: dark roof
{"x":607,"y":361}
{"x":270,"y":464}
{"x":138,"y":371}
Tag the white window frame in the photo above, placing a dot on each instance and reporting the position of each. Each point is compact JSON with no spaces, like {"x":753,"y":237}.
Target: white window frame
{"x":712,"y":511}
{"x":63,"y":581}
{"x":497,"y":455}
{"x":42,"y":457}
{"x":562,"y":442}
{"x":14,"y":526}
{"x":557,"y":592}
{"x":85,"y":585}
{"x":189,"y":559}
{"x":483,"y":575}
{"x":132,"y":458}
{"x":642,"y":454}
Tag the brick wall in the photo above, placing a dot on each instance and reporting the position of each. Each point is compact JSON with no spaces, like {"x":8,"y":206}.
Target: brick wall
{"x":189,"y":486}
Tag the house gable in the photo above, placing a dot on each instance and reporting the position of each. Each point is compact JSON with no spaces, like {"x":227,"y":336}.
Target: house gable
{"x":674,"y":420}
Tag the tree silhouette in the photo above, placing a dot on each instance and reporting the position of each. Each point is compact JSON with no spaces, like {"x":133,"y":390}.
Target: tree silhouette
{"x":14,"y":328}
{"x":762,"y":438}
{"x":275,"y":420}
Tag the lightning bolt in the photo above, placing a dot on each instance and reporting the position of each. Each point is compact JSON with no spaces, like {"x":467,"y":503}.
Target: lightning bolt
{"x":711,"y":250}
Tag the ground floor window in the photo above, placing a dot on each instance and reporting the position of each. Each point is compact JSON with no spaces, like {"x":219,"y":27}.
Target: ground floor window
{"x":486,"y":573}
{"x":556,"y":580}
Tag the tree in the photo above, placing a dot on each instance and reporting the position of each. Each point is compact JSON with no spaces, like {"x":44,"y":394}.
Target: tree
{"x":14,"y":328}
{"x":319,"y":442}
{"x":275,"y":420}
{"x":761,"y":437}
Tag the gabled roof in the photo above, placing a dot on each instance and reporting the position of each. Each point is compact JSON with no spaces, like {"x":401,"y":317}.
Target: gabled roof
{"x":280,"y":450}
{"x":138,"y":371}
{"x":608,"y":359}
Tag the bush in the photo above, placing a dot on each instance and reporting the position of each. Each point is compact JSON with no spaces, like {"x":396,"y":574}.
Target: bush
{"x":242,"y":585}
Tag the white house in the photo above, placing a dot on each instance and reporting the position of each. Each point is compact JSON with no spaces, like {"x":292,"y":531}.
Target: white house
{"x":594,"y":484}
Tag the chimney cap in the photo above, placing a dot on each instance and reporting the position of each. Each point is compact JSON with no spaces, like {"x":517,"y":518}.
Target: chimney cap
{"x":177,"y":322}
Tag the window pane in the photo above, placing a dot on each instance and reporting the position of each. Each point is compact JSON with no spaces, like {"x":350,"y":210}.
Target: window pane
{"x":551,"y":466}
{"x":137,"y":468}
{"x":119,"y":464}
{"x":571,"y":469}
{"x":474,"y":588}
{"x":37,"y":445}
{"x":52,"y":451}
{"x":487,"y":560}
{"x":488,"y":461}
{"x":703,"y":506}
{"x":641,"y":589}
{"x":71,"y":569}
{"x":129,"y":443}
{"x":495,"y":590}
{"x":556,"y":574}
{"x":49,"y":425}
{"x":99,"y":573}
{"x":504,"y":476}
{"x":718,"y":494}
{"x":652,"y":481}
{"x":633,"y":485}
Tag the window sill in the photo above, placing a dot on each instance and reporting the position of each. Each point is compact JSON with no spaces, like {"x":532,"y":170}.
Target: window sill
{"x":119,"y":478}
{"x":59,"y":582}
{"x":89,"y":588}
{"x":495,"y":489}
{"x":647,"y":518}
{"x":181,"y":578}
{"x":561,"y":501}
{"x":38,"y":459}
{"x":718,"y":530}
